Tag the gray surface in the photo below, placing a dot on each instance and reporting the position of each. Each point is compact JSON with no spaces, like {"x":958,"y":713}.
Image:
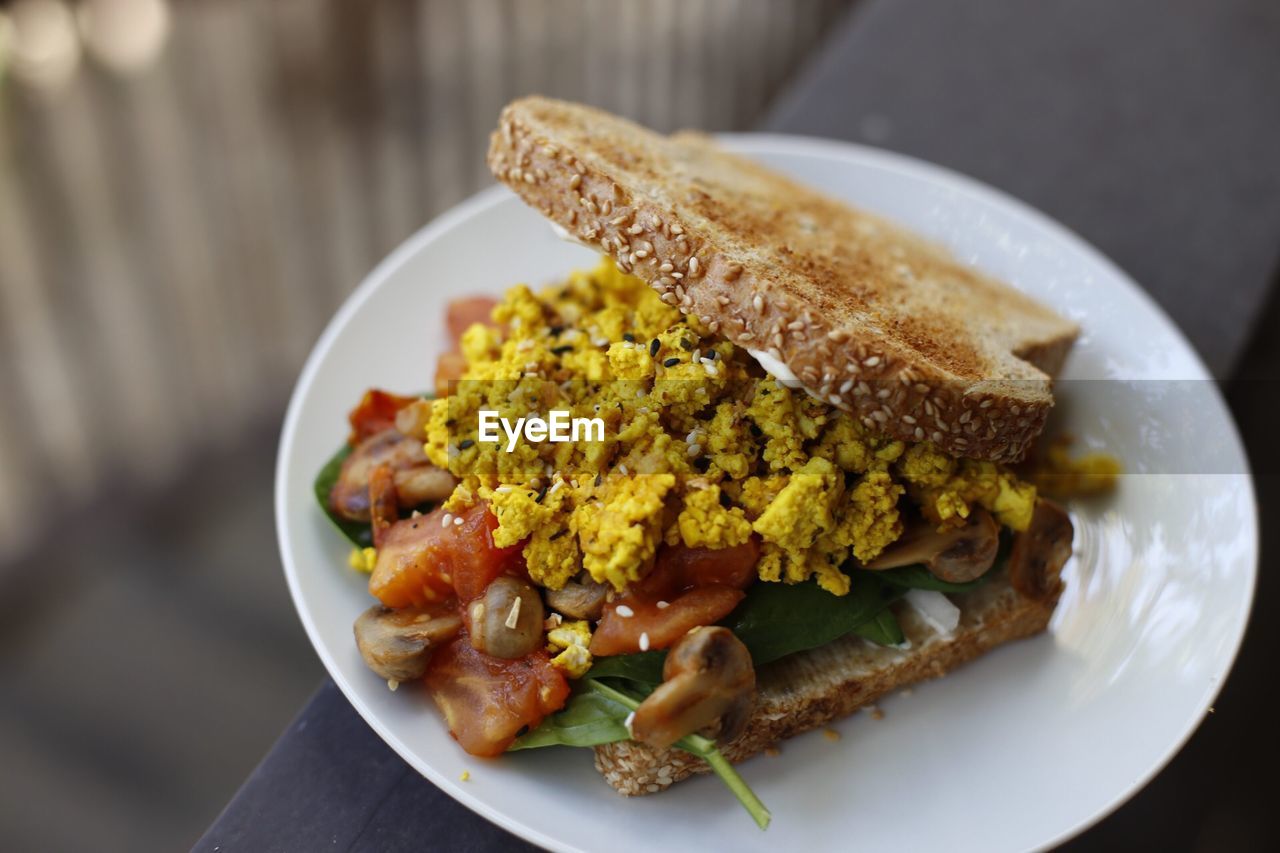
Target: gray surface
{"x":1150,"y":127}
{"x":148,"y":658}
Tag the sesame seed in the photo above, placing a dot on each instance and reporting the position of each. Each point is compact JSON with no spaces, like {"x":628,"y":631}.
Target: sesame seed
{"x":624,"y":611}
{"x":513,"y":616}
{"x":644,"y":639}
{"x":663,"y":605}
{"x":695,"y":449}
{"x":448,"y":517}
{"x":624,"y":470}
{"x":710,"y":367}
{"x":503,"y":490}
{"x":457,"y":521}
{"x":872,"y":361}
{"x":693,"y":265}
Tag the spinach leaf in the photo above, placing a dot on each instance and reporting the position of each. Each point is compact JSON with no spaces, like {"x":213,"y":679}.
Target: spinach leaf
{"x":642,"y":667}
{"x":883,"y":629}
{"x":918,"y":577}
{"x":597,"y":714}
{"x":777,"y":619}
{"x":587,"y":719}
{"x":359,"y":532}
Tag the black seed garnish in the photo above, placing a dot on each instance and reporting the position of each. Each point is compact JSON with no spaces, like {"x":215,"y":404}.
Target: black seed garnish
{"x":686,"y":345}
{"x":628,"y":337}
{"x":542,"y":494}
{"x":599,"y":479}
{"x":671,"y":362}
{"x":554,"y":536}
{"x":561,"y":350}
{"x":654,"y":345}
{"x":465,"y":443}
{"x":555,"y":331}
{"x":711,"y":354}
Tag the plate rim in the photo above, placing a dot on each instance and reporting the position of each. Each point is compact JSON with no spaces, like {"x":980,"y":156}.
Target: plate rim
{"x":747,"y":143}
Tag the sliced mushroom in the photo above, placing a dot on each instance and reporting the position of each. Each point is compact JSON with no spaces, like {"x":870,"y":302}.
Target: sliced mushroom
{"x":1040,"y":552}
{"x":506,"y":622}
{"x":956,"y":555}
{"x":580,"y":599}
{"x":707,"y":677}
{"x":417,"y":481}
{"x":396,"y":644}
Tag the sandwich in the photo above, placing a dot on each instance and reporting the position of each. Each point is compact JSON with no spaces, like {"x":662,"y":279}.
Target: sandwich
{"x":765,"y":463}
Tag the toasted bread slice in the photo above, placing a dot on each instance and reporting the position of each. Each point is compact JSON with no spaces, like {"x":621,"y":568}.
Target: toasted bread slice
{"x":867,"y":316}
{"x":810,"y":689}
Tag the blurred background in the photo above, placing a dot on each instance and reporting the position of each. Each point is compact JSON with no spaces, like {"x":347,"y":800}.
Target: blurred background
{"x":188,"y":190}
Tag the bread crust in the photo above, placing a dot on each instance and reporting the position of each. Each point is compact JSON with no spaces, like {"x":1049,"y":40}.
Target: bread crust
{"x":810,"y":689}
{"x":869,"y":317}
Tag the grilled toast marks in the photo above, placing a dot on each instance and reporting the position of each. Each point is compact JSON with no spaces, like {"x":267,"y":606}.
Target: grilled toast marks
{"x":811,"y":689}
{"x":869,"y":317}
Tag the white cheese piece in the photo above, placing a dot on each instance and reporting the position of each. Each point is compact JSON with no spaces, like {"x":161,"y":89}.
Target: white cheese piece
{"x":935,"y":609}
{"x":564,"y":235}
{"x":775,"y":368}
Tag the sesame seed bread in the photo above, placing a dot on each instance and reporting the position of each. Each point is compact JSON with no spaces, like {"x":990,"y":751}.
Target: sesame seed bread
{"x":810,"y":689}
{"x":868,"y":316}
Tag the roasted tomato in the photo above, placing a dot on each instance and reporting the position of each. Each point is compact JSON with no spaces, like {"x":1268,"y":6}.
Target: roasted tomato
{"x":487,"y":701}
{"x":464,"y":313}
{"x":449,"y":368}
{"x":687,"y":587}
{"x":376,"y":413}
{"x":427,"y":558}
{"x":652,"y":625}
{"x":678,"y":568}
{"x":384,"y":510}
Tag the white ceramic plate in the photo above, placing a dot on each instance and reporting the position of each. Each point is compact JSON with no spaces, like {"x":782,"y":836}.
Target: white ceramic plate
{"x":1021,"y":749}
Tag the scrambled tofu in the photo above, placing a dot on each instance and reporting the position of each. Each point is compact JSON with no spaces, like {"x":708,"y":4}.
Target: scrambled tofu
{"x":701,"y":447}
{"x":567,"y":643}
{"x":363,"y":559}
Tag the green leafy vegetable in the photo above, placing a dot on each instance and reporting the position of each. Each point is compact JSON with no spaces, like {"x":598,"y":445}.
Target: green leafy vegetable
{"x":705,"y":749}
{"x":589,"y":718}
{"x":776,"y":620}
{"x":359,"y":532}
{"x":918,"y":577}
{"x":883,"y":629}
{"x":642,"y":668}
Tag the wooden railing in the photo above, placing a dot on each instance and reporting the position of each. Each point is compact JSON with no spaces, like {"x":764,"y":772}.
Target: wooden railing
{"x":173,"y":239}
